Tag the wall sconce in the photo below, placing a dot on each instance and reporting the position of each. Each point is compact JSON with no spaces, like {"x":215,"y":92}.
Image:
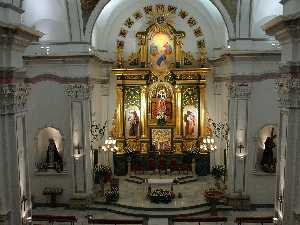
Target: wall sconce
{"x":241,"y":153}
{"x":77,"y":153}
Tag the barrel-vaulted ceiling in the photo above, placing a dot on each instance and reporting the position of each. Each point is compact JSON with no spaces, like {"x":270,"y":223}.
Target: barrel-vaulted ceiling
{"x":198,"y":15}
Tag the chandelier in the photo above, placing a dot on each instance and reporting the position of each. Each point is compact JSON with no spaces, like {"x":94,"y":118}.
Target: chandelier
{"x":110,"y":145}
{"x":207,"y":145}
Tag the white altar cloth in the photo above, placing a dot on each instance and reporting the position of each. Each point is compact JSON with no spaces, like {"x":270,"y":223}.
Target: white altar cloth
{"x":160,"y":181}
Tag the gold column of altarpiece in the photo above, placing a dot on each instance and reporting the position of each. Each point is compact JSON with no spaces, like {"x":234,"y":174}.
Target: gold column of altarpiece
{"x":139,"y":77}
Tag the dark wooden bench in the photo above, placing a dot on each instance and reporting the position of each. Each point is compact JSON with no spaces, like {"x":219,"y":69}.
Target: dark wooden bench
{"x":52,"y":219}
{"x":199,"y":219}
{"x":261,"y":220}
{"x":119,"y":221}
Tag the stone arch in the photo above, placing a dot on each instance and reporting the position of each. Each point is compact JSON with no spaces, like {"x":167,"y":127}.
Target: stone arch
{"x":101,"y":4}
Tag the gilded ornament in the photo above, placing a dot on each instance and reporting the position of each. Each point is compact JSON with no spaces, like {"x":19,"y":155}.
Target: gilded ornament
{"x":160,"y":8}
{"x":188,"y":58}
{"x":120,"y":44}
{"x":198,"y":32}
{"x":123,"y":33}
{"x":129,"y":22}
{"x":172,"y":9}
{"x":191,"y":21}
{"x":137,"y":15}
{"x":133,"y":59}
{"x":183,"y":14}
{"x":148,"y":9}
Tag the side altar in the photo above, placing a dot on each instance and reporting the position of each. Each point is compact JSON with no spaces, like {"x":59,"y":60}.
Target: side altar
{"x":160,"y":91}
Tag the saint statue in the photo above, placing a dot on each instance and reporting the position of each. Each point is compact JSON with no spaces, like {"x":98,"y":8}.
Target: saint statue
{"x":53,"y":158}
{"x":268,"y":162}
{"x":133,"y":123}
{"x":190,"y":122}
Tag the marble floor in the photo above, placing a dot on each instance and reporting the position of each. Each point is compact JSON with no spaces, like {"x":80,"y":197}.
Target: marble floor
{"x":134,"y":195}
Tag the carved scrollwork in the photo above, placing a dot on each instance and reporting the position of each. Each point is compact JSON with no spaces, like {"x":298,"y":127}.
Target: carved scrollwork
{"x":13,"y":98}
{"x":78,"y":90}
{"x":240,"y":90}
{"x":289,"y":92}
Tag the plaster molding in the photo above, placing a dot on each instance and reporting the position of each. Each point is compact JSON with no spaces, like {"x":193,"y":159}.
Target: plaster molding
{"x":283,"y":27}
{"x":79,"y":90}
{"x":240,"y":90}
{"x":13,"y":98}
{"x":64,"y":80}
{"x":289,"y":91}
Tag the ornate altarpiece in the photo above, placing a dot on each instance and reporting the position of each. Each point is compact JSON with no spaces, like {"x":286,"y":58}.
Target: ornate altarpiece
{"x":158,"y":81}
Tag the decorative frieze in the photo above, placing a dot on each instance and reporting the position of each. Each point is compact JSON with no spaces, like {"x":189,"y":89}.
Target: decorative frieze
{"x":78,"y":90}
{"x":289,"y":92}
{"x":13,"y":98}
{"x":240,"y":90}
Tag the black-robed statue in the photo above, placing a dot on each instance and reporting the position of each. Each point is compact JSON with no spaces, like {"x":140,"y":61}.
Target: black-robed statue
{"x":268,"y":162}
{"x":53,"y":157}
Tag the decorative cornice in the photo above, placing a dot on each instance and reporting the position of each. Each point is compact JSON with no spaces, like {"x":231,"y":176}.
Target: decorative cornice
{"x":79,"y":90}
{"x":242,"y":78}
{"x":11,"y":6}
{"x":64,"y":80}
{"x":13,"y":98}
{"x":240,"y":90}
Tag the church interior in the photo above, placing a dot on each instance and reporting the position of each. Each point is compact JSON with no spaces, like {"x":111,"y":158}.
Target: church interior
{"x":155,"y":112}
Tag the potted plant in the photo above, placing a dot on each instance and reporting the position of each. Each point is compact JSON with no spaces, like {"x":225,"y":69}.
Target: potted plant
{"x":161,"y":118}
{"x":218,"y":172}
{"x":102,"y":173}
{"x":112,"y":195}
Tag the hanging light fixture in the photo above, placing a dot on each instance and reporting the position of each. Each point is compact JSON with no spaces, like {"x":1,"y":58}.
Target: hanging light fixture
{"x":208,"y":143}
{"x":110,"y":145}
{"x":241,"y":152}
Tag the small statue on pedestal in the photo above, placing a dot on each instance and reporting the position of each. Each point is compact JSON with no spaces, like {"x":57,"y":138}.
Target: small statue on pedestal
{"x":54,"y":160}
{"x":268,"y":162}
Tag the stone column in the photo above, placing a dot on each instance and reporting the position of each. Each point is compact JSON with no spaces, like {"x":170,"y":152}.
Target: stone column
{"x":286,"y":30}
{"x":238,"y":119}
{"x":80,"y":115}
{"x":15,"y":196}
{"x":14,"y":186}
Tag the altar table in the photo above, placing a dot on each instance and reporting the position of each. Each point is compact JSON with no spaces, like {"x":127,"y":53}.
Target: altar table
{"x":159,"y":182}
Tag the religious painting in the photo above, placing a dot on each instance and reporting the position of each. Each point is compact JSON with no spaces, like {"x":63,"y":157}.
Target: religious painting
{"x":161,"y":139}
{"x":161,"y":52}
{"x":132,"y":121}
{"x":190,"y":121}
{"x":155,"y":109}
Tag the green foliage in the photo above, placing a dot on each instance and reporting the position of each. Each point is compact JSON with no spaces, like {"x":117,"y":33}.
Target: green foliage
{"x":218,"y":171}
{"x":112,"y":195}
{"x":161,"y":196}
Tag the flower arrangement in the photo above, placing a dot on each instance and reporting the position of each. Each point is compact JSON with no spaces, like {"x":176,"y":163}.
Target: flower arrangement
{"x":218,"y":171}
{"x":161,"y":118}
{"x":161,"y":196}
{"x":194,"y":151}
{"x":102,"y":172}
{"x":112,"y":195}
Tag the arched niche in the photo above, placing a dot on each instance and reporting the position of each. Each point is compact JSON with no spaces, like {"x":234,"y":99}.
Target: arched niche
{"x":266,"y":132}
{"x":46,"y":138}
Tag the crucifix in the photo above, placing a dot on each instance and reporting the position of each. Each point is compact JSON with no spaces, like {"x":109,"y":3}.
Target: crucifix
{"x":23,"y":202}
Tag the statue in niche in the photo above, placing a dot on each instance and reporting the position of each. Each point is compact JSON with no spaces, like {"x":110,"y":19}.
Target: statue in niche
{"x":54,"y":160}
{"x":268,"y":162}
{"x":133,"y":123}
{"x":190,"y":122}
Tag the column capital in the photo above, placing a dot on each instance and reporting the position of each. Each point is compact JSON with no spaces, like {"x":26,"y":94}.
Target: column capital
{"x":13,"y":98}
{"x":289,"y":92}
{"x":79,"y":90}
{"x":240,"y":90}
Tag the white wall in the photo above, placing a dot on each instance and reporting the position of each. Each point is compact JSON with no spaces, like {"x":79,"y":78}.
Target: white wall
{"x":262,"y":12}
{"x":263,"y":110}
{"x":49,"y":17}
{"x":48,"y":107}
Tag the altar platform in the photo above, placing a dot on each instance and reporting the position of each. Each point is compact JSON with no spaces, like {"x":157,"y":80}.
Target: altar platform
{"x":133,"y":194}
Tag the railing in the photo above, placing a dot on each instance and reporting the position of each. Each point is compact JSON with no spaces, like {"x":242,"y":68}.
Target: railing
{"x":52,"y":219}
{"x":119,"y":221}
{"x":198,"y":219}
{"x":261,"y":220}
